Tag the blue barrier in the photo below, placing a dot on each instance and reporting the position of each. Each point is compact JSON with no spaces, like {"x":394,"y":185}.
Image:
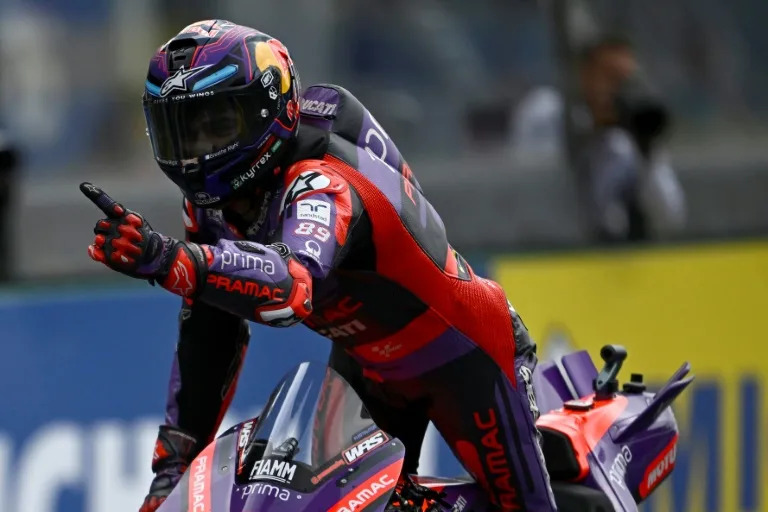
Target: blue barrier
{"x":84,"y":375}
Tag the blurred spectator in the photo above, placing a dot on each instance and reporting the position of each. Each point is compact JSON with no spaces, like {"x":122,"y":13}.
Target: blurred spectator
{"x":8,"y":160}
{"x":630,"y":189}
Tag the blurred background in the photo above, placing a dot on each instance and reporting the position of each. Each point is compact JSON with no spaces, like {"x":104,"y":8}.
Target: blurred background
{"x":605,"y":161}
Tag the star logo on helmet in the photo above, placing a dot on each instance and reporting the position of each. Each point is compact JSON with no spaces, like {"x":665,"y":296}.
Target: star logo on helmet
{"x":178,"y":82}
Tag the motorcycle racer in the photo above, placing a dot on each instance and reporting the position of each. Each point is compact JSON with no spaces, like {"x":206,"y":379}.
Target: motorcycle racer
{"x":300,"y":208}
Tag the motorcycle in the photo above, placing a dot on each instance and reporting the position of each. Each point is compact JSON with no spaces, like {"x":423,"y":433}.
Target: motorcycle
{"x":316,"y":448}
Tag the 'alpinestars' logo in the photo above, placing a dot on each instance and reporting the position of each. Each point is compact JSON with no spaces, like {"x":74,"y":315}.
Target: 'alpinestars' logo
{"x":182,"y":285}
{"x":178,"y":82}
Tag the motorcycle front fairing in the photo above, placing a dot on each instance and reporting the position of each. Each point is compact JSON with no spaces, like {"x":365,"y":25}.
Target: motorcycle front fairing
{"x":621,"y":444}
{"x":313,"y":448}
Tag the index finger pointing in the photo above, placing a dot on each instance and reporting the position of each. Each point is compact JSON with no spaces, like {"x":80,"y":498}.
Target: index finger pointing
{"x":100,"y":198}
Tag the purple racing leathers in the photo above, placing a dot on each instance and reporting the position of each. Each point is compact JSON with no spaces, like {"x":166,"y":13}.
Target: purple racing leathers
{"x":346,"y":242}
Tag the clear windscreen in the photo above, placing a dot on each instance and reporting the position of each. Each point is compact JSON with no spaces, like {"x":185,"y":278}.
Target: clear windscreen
{"x":313,"y":423}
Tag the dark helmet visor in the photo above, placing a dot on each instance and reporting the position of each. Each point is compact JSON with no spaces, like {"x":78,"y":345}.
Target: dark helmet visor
{"x":200,"y":129}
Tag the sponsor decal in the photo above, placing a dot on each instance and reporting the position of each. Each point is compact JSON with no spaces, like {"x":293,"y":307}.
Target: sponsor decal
{"x":277,"y":470}
{"x":318,"y":107}
{"x":203,"y":198}
{"x":198,"y":484}
{"x":659,"y":468}
{"x":460,"y":505}
{"x":245,"y":434}
{"x":618,"y":470}
{"x":314,"y":210}
{"x":93,"y":189}
{"x":182,"y":285}
{"x":242,"y":442}
{"x":178,"y":81}
{"x":236,"y":261}
{"x":257,"y":165}
{"x":364,"y":432}
{"x":368,"y":493}
{"x":343,"y":331}
{"x":222,"y":151}
{"x":387,"y":350}
{"x":267,"y":78}
{"x":363,"y":447}
{"x":313,"y":248}
{"x":270,"y":490}
{"x":305,"y":182}
{"x":496,"y":462}
{"x":246,"y":287}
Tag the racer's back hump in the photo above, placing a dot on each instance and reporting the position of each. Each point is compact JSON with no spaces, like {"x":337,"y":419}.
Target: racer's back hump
{"x":411,"y":250}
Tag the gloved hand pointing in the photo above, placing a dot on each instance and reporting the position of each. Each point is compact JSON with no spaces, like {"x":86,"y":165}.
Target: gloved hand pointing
{"x":125,"y":242}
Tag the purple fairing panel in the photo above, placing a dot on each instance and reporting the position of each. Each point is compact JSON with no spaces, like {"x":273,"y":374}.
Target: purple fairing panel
{"x":628,"y":471}
{"x":649,"y":453}
{"x":559,"y":381}
{"x":313,"y":448}
{"x":659,"y":404}
{"x":550,"y":386}
{"x":581,"y":371}
{"x":618,"y":494}
{"x":233,"y":493}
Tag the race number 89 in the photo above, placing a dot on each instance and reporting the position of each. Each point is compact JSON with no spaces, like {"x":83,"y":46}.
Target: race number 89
{"x":310,"y":228}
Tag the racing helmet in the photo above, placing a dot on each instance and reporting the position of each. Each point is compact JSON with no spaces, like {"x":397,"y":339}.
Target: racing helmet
{"x":221,"y":104}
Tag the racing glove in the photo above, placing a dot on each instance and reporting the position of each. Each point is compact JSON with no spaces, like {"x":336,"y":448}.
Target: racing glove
{"x":278,"y":295}
{"x":126,"y":243}
{"x":174,"y":451}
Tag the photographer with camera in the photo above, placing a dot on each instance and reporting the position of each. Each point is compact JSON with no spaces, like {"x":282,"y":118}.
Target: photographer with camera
{"x":630,"y":189}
